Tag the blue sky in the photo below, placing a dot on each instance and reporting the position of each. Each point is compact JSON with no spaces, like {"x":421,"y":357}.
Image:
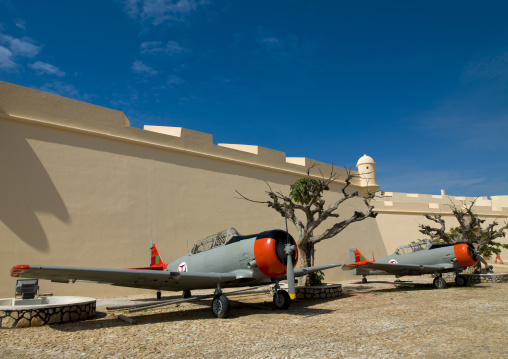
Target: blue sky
{"x":420,"y":86}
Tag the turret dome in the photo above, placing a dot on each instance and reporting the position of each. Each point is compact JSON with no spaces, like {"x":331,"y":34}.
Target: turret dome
{"x":365,"y":160}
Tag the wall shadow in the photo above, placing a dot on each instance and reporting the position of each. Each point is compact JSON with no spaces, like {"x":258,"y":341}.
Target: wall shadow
{"x":26,"y":189}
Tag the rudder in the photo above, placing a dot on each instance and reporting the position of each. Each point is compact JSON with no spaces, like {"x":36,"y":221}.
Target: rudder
{"x":356,"y":257}
{"x":155,"y":258}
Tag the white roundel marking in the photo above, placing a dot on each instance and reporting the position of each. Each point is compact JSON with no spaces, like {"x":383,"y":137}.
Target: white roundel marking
{"x":392,"y":261}
{"x":182,"y":267}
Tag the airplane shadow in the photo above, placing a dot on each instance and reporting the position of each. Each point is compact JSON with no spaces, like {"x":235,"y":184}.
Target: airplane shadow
{"x":200,"y":311}
{"x":410,"y":287}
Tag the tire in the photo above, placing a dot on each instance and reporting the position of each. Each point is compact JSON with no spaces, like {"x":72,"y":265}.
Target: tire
{"x":460,"y":280}
{"x":439,"y":283}
{"x":281,"y":300}
{"x":186,"y":294}
{"x":159,"y":295}
{"x":364,"y":280}
{"x":220,"y":306}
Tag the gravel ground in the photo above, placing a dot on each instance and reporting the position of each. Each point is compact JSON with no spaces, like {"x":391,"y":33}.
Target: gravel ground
{"x":372,"y":320}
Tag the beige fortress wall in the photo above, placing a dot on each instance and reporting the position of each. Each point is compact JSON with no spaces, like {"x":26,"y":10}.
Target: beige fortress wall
{"x":79,"y":187}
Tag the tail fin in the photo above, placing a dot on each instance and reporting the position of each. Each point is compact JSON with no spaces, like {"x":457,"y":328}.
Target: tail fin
{"x":155,"y":258}
{"x":156,"y":262}
{"x":357,"y":257}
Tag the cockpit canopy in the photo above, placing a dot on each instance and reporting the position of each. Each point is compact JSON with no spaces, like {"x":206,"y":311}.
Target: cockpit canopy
{"x":413,"y":247}
{"x":215,"y":240}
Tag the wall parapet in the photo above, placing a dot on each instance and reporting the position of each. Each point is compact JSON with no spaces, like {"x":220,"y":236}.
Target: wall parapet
{"x":26,"y":105}
{"x":412,"y":203}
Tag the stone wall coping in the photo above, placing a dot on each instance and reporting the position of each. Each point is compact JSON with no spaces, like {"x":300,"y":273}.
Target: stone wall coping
{"x":321,"y":286}
{"x":49,"y":302}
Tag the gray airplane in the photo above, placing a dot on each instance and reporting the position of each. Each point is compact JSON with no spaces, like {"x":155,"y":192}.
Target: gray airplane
{"x":417,"y":259}
{"x":225,"y":259}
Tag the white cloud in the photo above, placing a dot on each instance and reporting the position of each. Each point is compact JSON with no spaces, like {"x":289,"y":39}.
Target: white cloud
{"x":175,"y":80}
{"x":20,"y":47}
{"x":475,"y":115}
{"x":44,"y":68}
{"x":159,"y":11}
{"x":286,"y":48}
{"x":131,"y":8}
{"x":270,"y":40}
{"x":493,"y":68}
{"x":140,"y":68}
{"x":10,"y":48}
{"x":172,"y":48}
{"x":414,"y":180}
{"x":151,"y":46}
{"x":21,"y":24}
{"x":6,"y":62}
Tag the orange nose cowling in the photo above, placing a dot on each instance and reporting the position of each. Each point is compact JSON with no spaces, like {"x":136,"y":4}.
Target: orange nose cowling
{"x":266,"y":258}
{"x":462,"y":255}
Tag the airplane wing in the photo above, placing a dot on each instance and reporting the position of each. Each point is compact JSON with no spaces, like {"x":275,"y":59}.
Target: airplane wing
{"x":135,"y":278}
{"x":307,"y":270}
{"x":397,"y":268}
{"x":139,"y":278}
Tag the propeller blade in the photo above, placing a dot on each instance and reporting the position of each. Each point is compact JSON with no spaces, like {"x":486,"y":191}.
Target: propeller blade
{"x":291,"y":275}
{"x":290,"y":271}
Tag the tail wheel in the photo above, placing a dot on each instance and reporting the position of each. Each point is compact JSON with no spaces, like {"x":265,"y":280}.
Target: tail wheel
{"x":220,"y":306}
{"x":460,"y":280}
{"x":439,"y":283}
{"x":281,"y":300}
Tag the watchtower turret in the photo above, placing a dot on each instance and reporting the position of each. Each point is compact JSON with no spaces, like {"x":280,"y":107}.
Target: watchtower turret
{"x":367,"y":170}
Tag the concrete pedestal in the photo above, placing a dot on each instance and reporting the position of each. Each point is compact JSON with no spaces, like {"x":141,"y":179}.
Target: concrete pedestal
{"x":17,"y":313}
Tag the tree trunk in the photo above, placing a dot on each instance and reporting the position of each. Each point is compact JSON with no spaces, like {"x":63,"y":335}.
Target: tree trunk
{"x":306,"y":254}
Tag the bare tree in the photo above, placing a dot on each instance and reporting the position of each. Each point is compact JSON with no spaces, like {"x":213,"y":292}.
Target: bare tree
{"x":471,"y":228}
{"x":306,"y":195}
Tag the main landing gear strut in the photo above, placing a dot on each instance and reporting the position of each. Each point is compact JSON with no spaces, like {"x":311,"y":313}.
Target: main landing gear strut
{"x":220,"y":304}
{"x":439,"y":281}
{"x":460,"y":280}
{"x":281,"y":298}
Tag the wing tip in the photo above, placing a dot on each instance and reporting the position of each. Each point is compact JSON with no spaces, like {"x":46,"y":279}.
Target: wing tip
{"x":16,"y":271}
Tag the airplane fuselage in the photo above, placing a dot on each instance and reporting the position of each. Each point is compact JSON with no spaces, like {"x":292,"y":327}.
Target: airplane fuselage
{"x":254,"y":259}
{"x":438,"y":258}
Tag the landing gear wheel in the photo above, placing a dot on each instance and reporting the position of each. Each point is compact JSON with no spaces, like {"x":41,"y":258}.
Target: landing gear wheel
{"x":364,"y":280}
{"x":281,"y":300}
{"x":220,"y":306}
{"x":186,"y":294}
{"x":159,"y":295}
{"x":460,"y":280}
{"x":439,"y":283}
